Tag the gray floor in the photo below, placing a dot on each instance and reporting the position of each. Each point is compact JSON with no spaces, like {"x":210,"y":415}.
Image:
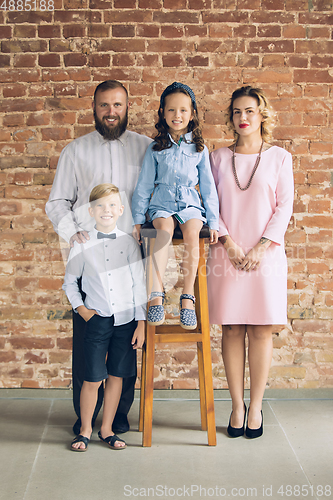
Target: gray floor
{"x":294,"y":457}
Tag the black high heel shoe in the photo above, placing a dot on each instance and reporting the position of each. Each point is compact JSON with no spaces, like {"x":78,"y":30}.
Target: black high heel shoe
{"x":235,"y":432}
{"x":255,"y":433}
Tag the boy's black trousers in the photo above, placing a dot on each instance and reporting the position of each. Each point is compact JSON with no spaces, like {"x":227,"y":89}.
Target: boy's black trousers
{"x":127,"y":395}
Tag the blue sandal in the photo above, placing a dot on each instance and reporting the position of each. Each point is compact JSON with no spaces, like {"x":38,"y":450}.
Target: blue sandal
{"x":156,"y":314}
{"x":188,"y":318}
{"x":80,"y":439}
{"x":110,"y":441}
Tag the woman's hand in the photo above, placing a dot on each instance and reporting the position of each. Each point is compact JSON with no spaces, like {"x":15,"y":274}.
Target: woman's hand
{"x":139,"y":335}
{"x":136,"y":233}
{"x":254,"y":257}
{"x":235,"y":252}
{"x":214,"y":236}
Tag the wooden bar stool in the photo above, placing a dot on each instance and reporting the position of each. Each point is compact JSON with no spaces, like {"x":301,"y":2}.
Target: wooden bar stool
{"x":175,"y":333}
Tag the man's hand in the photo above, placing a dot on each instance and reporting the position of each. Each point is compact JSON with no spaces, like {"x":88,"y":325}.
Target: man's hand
{"x":136,"y":233}
{"x":80,"y":237}
{"x":86,"y":313}
{"x":139,"y":335}
{"x":214,"y":236}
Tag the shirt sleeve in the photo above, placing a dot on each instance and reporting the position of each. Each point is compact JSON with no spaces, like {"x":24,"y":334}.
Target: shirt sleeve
{"x":74,"y":271}
{"x":144,"y":188}
{"x":208,"y":191}
{"x":139,"y":288}
{"x":223,"y":231}
{"x":63,"y":196}
{"x":277,"y":226}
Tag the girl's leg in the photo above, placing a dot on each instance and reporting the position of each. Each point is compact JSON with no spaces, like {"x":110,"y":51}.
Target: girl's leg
{"x":190,"y":230}
{"x":233,"y":353}
{"x":260,"y":358}
{"x":88,"y":399}
{"x":165,"y":229}
{"x":112,"y":392}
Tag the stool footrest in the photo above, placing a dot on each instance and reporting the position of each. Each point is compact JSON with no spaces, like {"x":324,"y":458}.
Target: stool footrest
{"x":165,"y":338}
{"x":175,"y":328}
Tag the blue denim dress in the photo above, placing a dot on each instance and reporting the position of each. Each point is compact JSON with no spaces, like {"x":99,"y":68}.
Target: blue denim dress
{"x":172,"y":175}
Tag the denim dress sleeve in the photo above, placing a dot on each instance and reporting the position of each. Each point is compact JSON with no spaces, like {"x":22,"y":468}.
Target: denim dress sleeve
{"x":144,"y":187}
{"x":208,"y":190}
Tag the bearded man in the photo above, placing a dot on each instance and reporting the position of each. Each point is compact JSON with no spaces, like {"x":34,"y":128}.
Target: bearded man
{"x":110,"y":154}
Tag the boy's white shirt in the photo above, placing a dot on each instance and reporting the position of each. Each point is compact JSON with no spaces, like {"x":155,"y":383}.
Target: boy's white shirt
{"x":112,"y":277}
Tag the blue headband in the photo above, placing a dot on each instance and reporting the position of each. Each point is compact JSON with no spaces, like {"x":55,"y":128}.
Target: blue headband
{"x":174,"y":86}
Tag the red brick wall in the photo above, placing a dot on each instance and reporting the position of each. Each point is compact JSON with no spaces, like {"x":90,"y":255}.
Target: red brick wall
{"x":50,"y":63}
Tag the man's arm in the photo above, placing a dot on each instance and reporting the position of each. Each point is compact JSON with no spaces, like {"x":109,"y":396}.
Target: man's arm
{"x":63,"y":196}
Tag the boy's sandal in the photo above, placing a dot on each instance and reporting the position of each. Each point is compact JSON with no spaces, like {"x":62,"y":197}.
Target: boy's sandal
{"x":110,"y":441}
{"x":156,"y":314}
{"x":188,"y":318}
{"x":80,"y":439}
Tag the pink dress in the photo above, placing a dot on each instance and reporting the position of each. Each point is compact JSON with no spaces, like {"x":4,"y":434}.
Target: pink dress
{"x":257,"y":297}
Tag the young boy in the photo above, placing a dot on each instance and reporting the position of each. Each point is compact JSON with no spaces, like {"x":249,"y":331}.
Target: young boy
{"x":114,"y":309}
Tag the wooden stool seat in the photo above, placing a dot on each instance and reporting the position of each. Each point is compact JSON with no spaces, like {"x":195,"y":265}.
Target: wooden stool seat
{"x":175,"y":333}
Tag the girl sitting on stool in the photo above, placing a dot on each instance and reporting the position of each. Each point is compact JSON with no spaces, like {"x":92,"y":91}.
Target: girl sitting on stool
{"x":175,"y":163}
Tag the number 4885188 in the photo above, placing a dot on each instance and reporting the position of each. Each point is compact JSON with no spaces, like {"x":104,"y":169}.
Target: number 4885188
{"x":26,"y":5}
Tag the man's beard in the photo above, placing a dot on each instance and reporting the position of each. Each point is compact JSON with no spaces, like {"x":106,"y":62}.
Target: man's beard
{"x":111,"y":133}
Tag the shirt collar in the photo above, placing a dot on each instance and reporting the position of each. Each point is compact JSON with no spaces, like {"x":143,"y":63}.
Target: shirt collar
{"x":116,"y":231}
{"x":188,"y":138}
{"x":122,"y":139}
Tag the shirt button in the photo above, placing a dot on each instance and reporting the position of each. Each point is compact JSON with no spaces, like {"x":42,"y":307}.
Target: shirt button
{"x":107,"y":260}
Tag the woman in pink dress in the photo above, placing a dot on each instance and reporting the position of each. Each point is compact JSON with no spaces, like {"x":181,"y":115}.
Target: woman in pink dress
{"x":247,"y":269}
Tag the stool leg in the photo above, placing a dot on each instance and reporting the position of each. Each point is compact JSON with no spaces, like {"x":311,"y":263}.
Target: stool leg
{"x":209,"y":394}
{"x":148,"y":387}
{"x":142,"y":387}
{"x":147,"y":380}
{"x":206,"y":350}
{"x":202,"y":389}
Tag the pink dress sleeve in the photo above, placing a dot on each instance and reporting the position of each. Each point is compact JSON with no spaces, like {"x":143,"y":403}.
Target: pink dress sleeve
{"x":277,"y":226}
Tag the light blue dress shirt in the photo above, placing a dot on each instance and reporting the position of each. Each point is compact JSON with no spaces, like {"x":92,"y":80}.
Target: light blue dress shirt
{"x":171,"y":175}
{"x":112,"y":277}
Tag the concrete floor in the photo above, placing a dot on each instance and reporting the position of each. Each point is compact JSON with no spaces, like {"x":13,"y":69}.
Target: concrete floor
{"x":294,"y":456}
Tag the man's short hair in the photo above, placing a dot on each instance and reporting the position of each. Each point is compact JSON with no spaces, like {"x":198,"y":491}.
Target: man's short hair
{"x":102,"y":190}
{"x":109,"y":85}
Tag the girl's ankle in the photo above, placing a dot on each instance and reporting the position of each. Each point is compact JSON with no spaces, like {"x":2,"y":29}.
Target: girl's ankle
{"x":187,"y":303}
{"x":156,"y":301}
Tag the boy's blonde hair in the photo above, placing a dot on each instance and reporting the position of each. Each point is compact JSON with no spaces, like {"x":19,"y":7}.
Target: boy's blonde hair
{"x":102,"y":190}
{"x":265,"y":109}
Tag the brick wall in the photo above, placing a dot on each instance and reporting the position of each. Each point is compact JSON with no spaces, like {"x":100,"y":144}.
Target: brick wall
{"x":50,"y":63}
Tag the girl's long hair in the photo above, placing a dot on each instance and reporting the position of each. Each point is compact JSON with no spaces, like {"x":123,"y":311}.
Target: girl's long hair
{"x":162,"y":139}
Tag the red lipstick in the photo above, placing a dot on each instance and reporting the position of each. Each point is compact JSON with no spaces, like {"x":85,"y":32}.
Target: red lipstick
{"x":243,"y":125}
